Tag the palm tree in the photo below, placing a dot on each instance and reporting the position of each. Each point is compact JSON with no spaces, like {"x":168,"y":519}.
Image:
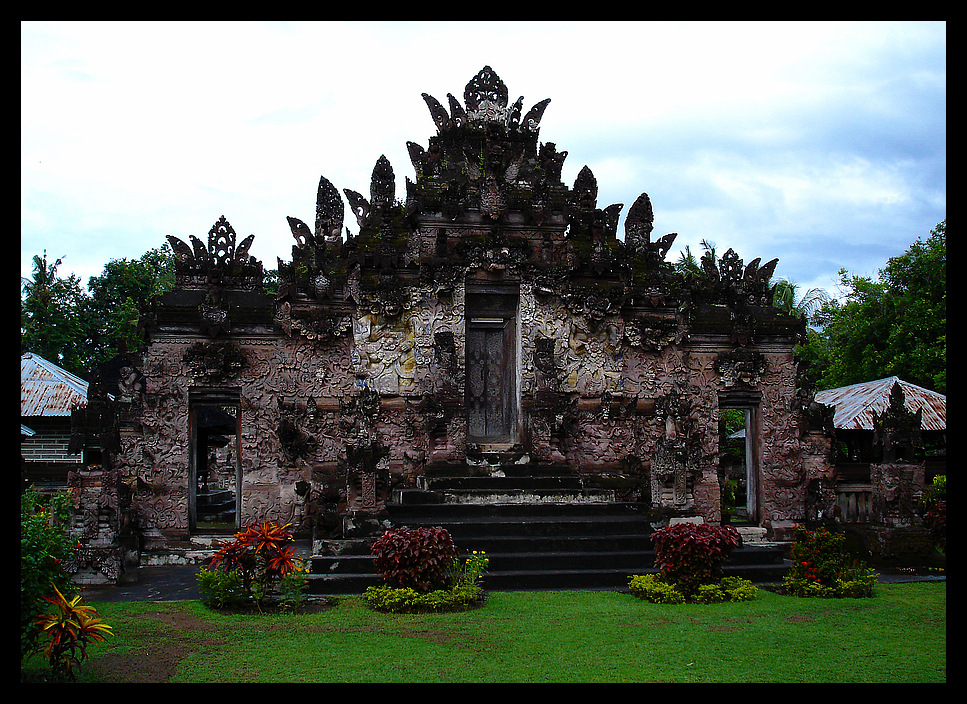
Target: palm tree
{"x":687,"y":262}
{"x":50,"y":316}
{"x":786,"y":298}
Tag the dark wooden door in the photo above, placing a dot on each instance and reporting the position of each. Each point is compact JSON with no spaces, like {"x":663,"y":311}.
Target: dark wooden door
{"x":491,"y":376}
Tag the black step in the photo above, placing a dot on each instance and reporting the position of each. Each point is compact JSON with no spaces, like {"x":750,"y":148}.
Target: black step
{"x":513,"y":580}
{"x":496,"y":484}
{"x":532,"y":542}
{"x":416,"y":512}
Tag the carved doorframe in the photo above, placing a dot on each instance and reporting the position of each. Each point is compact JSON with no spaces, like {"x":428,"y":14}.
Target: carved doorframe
{"x":492,"y":361}
{"x":749,"y":404}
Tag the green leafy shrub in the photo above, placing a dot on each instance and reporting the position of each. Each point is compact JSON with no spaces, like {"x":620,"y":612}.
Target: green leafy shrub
{"x":651,"y":587}
{"x":46,"y":548}
{"x":822,"y":567}
{"x":293,"y":587}
{"x":692,"y":554}
{"x":409,"y":600}
{"x":252,"y":567}
{"x":220,"y":588}
{"x":933,"y":511}
{"x":417,"y":558}
{"x":654,"y":588}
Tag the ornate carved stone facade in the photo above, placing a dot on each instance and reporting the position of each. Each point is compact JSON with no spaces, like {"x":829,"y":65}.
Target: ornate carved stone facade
{"x":484,"y":307}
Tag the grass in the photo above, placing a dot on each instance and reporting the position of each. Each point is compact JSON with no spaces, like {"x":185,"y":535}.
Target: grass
{"x":576,"y":636}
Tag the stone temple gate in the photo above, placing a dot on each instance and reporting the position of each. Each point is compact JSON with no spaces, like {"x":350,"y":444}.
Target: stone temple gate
{"x":483,"y":320}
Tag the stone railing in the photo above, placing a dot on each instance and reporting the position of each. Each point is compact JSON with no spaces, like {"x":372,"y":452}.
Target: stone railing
{"x":854,"y":503}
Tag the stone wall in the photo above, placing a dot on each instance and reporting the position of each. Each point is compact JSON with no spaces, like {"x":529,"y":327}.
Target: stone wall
{"x":352,"y":382}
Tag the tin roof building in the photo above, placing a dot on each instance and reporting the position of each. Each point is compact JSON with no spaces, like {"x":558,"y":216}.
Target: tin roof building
{"x":858,"y":405}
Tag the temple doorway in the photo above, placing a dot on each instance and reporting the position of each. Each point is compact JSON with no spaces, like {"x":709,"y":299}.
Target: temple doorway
{"x":491,"y":363}
{"x":738,"y":464}
{"x":214,"y":467}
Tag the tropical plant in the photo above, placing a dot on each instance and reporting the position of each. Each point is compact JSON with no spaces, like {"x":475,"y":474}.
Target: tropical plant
{"x":692,"y":554}
{"x":46,"y":548}
{"x":418,"y":558}
{"x":68,"y":631}
{"x":257,"y":560}
{"x":688,"y":263}
{"x":787,"y":298}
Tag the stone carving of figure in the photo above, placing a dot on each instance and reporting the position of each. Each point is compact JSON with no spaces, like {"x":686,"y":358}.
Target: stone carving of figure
{"x":590,"y":361}
{"x":385,"y":353}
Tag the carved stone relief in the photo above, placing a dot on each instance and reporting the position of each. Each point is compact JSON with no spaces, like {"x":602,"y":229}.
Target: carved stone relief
{"x":352,"y":380}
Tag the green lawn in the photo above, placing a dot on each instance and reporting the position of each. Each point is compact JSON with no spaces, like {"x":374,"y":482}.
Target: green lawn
{"x":580,"y":636}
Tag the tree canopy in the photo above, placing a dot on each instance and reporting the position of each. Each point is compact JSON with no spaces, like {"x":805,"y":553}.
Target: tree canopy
{"x":50,"y":321}
{"x":79,"y":330}
{"x":893,"y":326}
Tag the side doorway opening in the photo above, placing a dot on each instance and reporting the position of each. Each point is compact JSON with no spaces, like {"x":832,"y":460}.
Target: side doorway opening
{"x":738,"y":464}
{"x":214,"y":497}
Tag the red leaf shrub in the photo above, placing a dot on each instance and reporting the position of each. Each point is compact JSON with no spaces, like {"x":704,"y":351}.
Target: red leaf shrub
{"x":418,"y":558}
{"x":261,"y":555}
{"x":692,"y":554}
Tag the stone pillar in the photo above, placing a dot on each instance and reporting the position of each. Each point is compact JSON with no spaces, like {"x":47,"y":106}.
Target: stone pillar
{"x":106,"y":551}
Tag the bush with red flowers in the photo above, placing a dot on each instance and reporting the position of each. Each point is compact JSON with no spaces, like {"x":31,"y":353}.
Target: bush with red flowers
{"x":47,"y":547}
{"x":822,"y":567}
{"x":933,"y":510}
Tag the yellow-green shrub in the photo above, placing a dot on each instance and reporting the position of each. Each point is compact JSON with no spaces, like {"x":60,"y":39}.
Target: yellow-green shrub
{"x":409,"y":600}
{"x":654,"y":588}
{"x":727,"y":589}
{"x":651,"y":587}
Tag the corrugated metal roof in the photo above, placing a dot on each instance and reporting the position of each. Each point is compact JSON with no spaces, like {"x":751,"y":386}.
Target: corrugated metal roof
{"x":48,"y":390}
{"x":856,"y":405}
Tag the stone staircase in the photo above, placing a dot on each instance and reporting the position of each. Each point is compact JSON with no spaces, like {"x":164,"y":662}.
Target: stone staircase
{"x":540,"y":531}
{"x":215,"y":506}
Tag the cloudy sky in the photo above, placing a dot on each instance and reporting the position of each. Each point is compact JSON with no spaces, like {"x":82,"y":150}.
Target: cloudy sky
{"x":822,"y":144}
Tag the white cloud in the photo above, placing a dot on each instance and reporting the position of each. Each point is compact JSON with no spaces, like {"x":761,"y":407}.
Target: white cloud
{"x":760,"y":136}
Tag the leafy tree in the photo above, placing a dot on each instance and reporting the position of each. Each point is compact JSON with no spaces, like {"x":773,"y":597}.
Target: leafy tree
{"x":894,"y":326}
{"x":79,"y":330}
{"x":120,"y":297}
{"x":918,"y":340}
{"x":51,"y":319}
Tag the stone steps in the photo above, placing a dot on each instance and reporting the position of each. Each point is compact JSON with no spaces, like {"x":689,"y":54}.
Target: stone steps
{"x":539,"y":532}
